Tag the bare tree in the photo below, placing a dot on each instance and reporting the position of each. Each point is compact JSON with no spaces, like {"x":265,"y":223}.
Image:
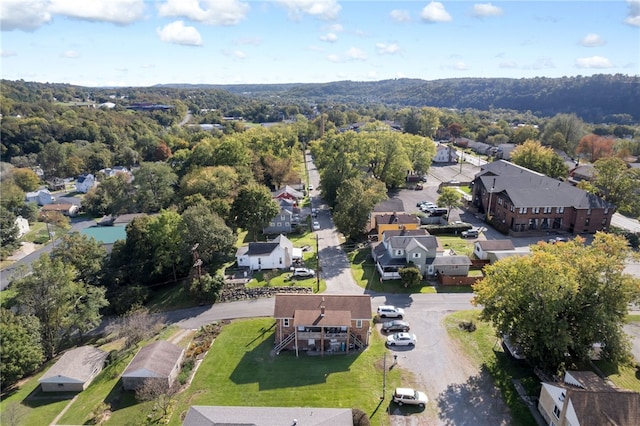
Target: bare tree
{"x":159,"y":392}
{"x":136,"y":325}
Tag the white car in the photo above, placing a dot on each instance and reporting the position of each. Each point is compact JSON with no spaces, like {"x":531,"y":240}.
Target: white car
{"x":387,"y":311}
{"x":409,"y":396}
{"x":402,"y":339}
{"x":310,"y":188}
{"x":304,"y":273}
{"x":316,"y":225}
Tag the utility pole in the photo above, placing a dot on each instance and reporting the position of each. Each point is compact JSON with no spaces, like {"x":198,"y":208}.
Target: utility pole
{"x":384,"y":377}
{"x":318,"y":263}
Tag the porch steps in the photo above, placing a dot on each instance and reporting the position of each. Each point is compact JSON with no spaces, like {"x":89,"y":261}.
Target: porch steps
{"x":356,"y":342}
{"x":276,"y":349}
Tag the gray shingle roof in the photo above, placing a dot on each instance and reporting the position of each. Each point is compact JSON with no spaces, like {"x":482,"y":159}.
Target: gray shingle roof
{"x":389,"y":205}
{"x":526,"y":188}
{"x":77,"y":364}
{"x":458,"y":260}
{"x":496,"y":245}
{"x":427,"y":241}
{"x":158,"y":358}
{"x":199,"y":415}
{"x":387,"y":219}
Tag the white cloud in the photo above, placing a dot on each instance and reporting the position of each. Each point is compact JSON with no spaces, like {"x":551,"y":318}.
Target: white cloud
{"x":7,"y":53}
{"x":176,"y":32}
{"x":372,"y":74}
{"x":400,"y":15}
{"x":213,"y":12}
{"x":592,"y":40}
{"x":593,"y":62}
{"x":70,"y":54}
{"x":26,"y":15}
{"x":322,"y":9}
{"x":238,"y":54}
{"x":250,"y":41}
{"x":633,"y":15}
{"x":355,"y":53}
{"x":508,"y":64}
{"x":460,"y":66}
{"x":335,"y":28}
{"x":400,"y":75}
{"x":330,"y":37}
{"x":435,"y":12}
{"x":541,"y":63}
{"x":383,"y":48}
{"x":333,"y":58}
{"x":119,"y":12}
{"x":482,"y":10}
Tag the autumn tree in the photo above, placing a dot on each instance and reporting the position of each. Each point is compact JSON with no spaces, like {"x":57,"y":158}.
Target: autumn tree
{"x":595,"y":147}
{"x":113,"y":196}
{"x":525,"y":133}
{"x":532,"y":155}
{"x":159,"y":392}
{"x":354,"y":203}
{"x":136,"y":325}
{"x":561,"y":299}
{"x":200,"y":225}
{"x":26,"y":179}
{"x":253,"y":208}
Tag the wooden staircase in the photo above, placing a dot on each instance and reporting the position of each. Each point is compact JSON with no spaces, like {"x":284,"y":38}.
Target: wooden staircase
{"x":276,"y":349}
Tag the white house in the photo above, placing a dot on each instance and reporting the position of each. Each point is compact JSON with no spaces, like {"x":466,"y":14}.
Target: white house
{"x":41,"y":196}
{"x":275,"y":254}
{"x":482,"y":248}
{"x":74,"y":371}
{"x":85,"y":182}
{"x":444,"y":154}
{"x":23,"y":226}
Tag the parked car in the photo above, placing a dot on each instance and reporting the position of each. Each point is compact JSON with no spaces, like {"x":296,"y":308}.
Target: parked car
{"x":558,"y":240}
{"x":304,"y":273}
{"x":402,"y":339}
{"x":310,"y":188}
{"x":424,"y":178}
{"x":316,"y":225}
{"x":387,"y":311}
{"x":396,"y":325}
{"x":470,"y":233}
{"x":419,"y":187}
{"x":409,"y":396}
{"x":314,"y":212}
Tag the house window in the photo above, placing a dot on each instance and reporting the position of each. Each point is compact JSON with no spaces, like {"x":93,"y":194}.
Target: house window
{"x":606,"y":211}
{"x":285,"y":322}
{"x":358,"y":323}
{"x":280,"y":260}
{"x":511,"y":207}
{"x":556,"y":411}
{"x":279,"y":224}
{"x":523,"y":210}
{"x":547,"y":210}
{"x":557,"y":223}
{"x":416,"y":255}
{"x":560,"y":209}
{"x":500,"y":201}
{"x":604,"y":222}
{"x":545,"y":223}
{"x":588,"y":212}
{"x":60,"y":385}
{"x":286,"y":224}
{"x":398,"y":252}
{"x":586,"y":222}
{"x":533,"y":224}
{"x":272,"y":224}
{"x":536,"y":210}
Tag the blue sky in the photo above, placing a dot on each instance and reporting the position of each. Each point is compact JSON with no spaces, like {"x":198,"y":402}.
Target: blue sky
{"x":142,"y":43}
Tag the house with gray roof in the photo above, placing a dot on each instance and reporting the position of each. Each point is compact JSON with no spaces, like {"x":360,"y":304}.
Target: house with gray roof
{"x":455,"y":265}
{"x":482,"y":248}
{"x":400,"y":248}
{"x":159,"y":361}
{"x":520,"y":202}
{"x":74,"y":371}
{"x":282,"y":223}
{"x":276,"y":254}
{"x":202,"y":415}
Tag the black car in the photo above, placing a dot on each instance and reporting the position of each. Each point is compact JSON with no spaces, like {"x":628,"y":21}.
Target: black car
{"x":396,"y":325}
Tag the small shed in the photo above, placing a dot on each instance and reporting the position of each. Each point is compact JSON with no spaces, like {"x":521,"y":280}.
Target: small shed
{"x":159,"y":361}
{"x":482,"y":248}
{"x":74,"y":371}
{"x":457,"y":265}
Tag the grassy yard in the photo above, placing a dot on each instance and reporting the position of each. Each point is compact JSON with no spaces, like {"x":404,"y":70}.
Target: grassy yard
{"x":239,"y":370}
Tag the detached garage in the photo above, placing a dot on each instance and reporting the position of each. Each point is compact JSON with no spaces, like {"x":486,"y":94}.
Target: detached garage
{"x":159,"y":361}
{"x":74,"y":371}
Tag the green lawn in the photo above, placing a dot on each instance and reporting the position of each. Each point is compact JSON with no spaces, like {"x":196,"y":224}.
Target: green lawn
{"x":239,"y":370}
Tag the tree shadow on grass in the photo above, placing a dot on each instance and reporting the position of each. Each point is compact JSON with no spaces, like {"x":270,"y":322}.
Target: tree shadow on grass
{"x":286,"y":370}
{"x":475,"y":402}
{"x":119,"y":398}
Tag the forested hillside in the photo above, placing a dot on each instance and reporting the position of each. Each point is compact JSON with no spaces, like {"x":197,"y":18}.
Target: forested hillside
{"x":596,"y":99}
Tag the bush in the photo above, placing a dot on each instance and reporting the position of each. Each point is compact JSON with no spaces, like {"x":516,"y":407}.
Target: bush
{"x":360,"y":418}
{"x":468,"y":326}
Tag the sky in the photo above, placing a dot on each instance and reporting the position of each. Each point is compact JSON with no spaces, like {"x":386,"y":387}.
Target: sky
{"x":142,"y":42}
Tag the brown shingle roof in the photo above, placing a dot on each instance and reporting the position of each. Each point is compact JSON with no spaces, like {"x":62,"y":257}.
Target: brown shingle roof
{"x":159,"y":358}
{"x":603,"y":408}
{"x":286,"y":305}
{"x":315,"y":317}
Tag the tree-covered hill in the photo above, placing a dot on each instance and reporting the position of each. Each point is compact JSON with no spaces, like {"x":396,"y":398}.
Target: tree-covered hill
{"x":596,"y":99}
